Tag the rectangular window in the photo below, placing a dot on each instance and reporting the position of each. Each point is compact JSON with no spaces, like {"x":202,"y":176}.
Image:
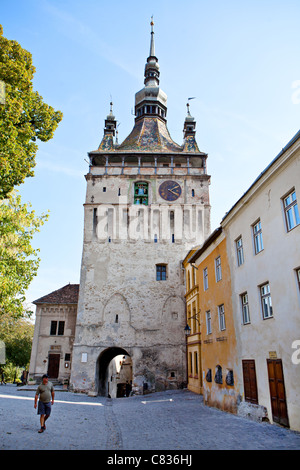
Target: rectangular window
{"x":221,"y":314}
{"x":141,"y":193}
{"x":245,"y":309}
{"x":257,"y":236}
{"x":196,"y":362}
{"x":161,"y":272}
{"x":61,"y":328}
{"x":191,"y":363}
{"x":291,"y":211}
{"x":218,"y":269}
{"x":57,"y":331}
{"x":266,"y":302}
{"x":239,"y":251}
{"x":53,"y":328}
{"x":194,"y":318}
{"x":205,"y":279}
{"x":208,"y":322}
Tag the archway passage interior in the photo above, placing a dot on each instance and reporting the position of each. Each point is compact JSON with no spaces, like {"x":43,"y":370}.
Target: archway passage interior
{"x":114,"y":378}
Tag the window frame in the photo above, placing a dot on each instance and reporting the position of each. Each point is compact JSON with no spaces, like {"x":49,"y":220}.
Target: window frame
{"x":290,"y":209}
{"x":245,"y":307}
{"x":159,"y":270}
{"x":208,"y":322}
{"x":196,"y":364}
{"x":263,"y":298}
{"x":61,"y":328}
{"x":57,"y":328}
{"x":257,"y":237}
{"x":205,"y":279}
{"x":141,"y":199}
{"x":221,"y":316}
{"x":240,"y":251}
{"x":53,"y":327}
{"x":218,"y":269}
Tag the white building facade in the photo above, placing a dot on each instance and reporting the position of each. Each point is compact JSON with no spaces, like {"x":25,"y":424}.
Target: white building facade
{"x":263,"y":240}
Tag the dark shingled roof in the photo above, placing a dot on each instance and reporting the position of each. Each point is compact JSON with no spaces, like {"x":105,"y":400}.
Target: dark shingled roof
{"x":66,"y":295}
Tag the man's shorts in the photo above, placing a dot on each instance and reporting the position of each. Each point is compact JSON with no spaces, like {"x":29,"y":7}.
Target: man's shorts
{"x":44,"y":408}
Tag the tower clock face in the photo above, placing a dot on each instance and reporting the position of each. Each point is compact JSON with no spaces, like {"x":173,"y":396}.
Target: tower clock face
{"x":170,"y":190}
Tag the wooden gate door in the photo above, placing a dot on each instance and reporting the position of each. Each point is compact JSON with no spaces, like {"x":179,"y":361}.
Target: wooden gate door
{"x":53,"y":365}
{"x":250,"y":387}
{"x":277,"y":392}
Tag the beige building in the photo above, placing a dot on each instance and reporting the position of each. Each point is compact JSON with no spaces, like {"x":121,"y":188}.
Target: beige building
{"x":54,"y":334}
{"x":147,"y":204}
{"x":263,"y":241}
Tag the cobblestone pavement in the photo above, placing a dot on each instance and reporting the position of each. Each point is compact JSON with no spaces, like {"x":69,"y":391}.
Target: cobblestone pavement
{"x":173,"y":420}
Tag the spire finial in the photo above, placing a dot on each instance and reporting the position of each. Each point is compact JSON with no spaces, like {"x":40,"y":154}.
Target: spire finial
{"x":152,"y":24}
{"x":152,"y":46}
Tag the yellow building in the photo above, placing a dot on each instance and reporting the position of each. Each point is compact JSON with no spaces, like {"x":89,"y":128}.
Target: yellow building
{"x":193,"y":338}
{"x":209,"y":315}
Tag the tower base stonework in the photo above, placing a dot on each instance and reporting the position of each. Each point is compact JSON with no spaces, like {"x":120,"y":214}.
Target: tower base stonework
{"x":124,"y":310}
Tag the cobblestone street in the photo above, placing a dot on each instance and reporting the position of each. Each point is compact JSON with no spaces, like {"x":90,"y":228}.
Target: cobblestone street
{"x":175,"y":420}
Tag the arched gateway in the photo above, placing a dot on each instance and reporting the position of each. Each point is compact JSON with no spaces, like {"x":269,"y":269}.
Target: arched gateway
{"x":112,"y":376}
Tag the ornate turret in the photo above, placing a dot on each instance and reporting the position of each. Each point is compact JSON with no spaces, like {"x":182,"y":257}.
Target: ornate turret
{"x":189,"y":132}
{"x":107,"y":142}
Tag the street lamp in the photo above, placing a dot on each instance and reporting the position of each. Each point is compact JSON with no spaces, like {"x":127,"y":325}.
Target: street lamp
{"x":187,"y":330}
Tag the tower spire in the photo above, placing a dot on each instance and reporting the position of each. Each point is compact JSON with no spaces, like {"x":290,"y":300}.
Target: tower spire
{"x":152,"y":67}
{"x":152,"y":45}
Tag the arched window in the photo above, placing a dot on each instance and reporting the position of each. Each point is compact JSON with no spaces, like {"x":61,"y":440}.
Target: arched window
{"x":218,"y":375}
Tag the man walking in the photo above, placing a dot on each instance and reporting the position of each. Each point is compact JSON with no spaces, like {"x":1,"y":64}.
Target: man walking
{"x":46,"y":391}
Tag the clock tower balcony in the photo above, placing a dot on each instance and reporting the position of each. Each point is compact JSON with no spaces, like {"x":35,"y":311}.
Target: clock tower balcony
{"x":147,"y":165}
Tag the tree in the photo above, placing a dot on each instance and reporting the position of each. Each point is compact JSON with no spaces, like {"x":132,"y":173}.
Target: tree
{"x":17,"y":334}
{"x":18,"y":260}
{"x":24,"y":117}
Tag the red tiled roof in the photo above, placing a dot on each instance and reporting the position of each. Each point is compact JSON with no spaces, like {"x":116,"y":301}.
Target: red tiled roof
{"x":66,"y":295}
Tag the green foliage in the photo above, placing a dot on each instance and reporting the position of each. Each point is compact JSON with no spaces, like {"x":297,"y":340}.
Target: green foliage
{"x":12,"y":373}
{"x":17,"y":335}
{"x":24,"y":117}
{"x":18,"y":260}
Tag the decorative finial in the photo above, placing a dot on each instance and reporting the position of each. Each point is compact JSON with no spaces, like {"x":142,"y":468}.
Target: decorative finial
{"x":188,"y":105}
{"x":152,"y":46}
{"x":152,"y":24}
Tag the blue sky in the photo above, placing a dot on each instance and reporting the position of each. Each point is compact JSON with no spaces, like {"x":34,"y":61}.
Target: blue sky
{"x":240,"y":59}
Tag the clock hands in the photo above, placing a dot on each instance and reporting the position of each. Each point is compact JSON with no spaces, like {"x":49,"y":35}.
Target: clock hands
{"x":172,"y":190}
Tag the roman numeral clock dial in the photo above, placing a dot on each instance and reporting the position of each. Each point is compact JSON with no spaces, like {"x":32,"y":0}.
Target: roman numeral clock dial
{"x":170,"y":190}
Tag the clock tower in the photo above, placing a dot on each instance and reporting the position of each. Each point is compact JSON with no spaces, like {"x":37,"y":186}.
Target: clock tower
{"x":147,"y":205}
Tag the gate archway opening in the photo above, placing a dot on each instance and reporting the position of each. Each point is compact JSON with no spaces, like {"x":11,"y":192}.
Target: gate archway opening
{"x":114,"y":372}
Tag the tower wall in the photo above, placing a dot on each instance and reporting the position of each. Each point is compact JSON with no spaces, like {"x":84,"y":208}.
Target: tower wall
{"x":121,"y":302}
